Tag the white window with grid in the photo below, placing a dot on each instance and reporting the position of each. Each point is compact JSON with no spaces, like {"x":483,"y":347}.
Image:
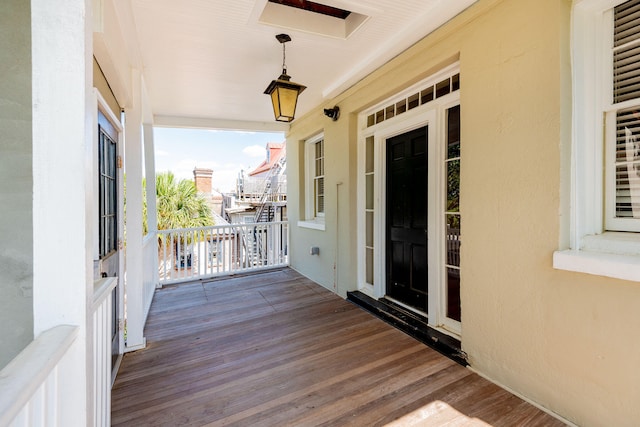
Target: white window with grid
{"x":318,"y":179}
{"x":605,"y":150}
{"x":622,"y":120}
{"x":314,"y":188}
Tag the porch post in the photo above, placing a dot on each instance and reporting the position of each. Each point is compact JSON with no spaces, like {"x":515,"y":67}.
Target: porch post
{"x":134,"y":256}
{"x":150,"y":170}
{"x":61,"y":64}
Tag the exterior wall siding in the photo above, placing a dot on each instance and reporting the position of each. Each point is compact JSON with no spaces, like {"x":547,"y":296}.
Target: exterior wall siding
{"x":16,"y":194}
{"x":563,"y":340}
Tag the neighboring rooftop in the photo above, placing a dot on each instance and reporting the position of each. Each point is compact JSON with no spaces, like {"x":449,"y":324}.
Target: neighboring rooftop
{"x":275,"y":151}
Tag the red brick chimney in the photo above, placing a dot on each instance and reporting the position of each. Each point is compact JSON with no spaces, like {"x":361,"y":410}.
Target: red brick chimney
{"x":202,"y":178}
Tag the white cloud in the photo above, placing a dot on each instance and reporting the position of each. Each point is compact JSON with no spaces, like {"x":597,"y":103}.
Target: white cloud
{"x":255,"y":151}
{"x":184,"y":168}
{"x":224,"y":180}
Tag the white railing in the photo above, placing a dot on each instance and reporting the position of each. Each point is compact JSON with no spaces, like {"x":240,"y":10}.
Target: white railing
{"x":453,"y":246}
{"x":103,"y":330}
{"x":150,"y":272}
{"x":204,"y":252}
{"x":33,"y":385}
{"x":253,"y":189}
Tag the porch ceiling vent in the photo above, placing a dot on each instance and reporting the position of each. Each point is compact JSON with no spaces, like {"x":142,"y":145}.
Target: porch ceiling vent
{"x":312,"y":17}
{"x":315,"y":7}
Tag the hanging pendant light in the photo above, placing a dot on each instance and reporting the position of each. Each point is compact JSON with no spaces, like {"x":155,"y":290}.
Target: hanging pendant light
{"x":284,"y":93}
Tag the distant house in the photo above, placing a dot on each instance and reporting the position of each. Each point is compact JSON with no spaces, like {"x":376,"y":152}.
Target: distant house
{"x":261,"y":195}
{"x":275,"y":152}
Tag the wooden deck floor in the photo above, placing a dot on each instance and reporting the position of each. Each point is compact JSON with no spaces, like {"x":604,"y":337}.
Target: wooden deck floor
{"x":276,"y":349}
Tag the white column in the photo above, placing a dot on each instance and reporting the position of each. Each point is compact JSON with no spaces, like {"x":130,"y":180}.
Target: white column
{"x":62,"y":192}
{"x":150,"y":170}
{"x":134,"y":259}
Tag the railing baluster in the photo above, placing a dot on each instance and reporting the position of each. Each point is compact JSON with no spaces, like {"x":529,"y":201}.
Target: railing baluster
{"x":204,"y":252}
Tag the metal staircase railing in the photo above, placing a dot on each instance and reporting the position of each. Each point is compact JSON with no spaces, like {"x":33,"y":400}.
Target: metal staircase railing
{"x":269,"y":190}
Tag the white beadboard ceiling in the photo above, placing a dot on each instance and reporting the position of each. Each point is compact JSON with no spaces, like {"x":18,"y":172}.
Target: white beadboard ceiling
{"x":207,"y":62}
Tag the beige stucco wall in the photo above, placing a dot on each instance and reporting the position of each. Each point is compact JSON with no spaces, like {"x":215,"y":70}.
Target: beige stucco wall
{"x":16,"y":194}
{"x":100,"y":83}
{"x":567,"y":341}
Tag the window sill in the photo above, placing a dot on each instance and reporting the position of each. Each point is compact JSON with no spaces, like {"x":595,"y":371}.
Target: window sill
{"x":615,"y":255}
{"x":313,"y":224}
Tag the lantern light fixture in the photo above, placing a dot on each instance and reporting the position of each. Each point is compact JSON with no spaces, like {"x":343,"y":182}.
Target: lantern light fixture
{"x":284,"y":93}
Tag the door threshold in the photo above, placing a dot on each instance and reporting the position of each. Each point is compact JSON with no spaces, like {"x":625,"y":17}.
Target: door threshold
{"x":411,"y":323}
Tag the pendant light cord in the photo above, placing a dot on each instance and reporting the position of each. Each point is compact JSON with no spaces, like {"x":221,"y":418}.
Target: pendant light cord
{"x":284,"y":55}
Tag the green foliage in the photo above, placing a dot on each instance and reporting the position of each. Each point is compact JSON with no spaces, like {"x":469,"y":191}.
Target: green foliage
{"x":453,"y":186}
{"x":179,"y":205}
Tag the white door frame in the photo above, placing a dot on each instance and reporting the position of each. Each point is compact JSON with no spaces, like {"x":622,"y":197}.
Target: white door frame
{"x":433,"y":115}
{"x":103,"y":107}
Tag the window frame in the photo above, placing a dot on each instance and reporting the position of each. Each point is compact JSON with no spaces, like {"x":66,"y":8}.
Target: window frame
{"x":317,"y":177}
{"x":312,"y":218}
{"x":591,"y":248}
{"x":610,"y":110}
{"x":107,"y":194}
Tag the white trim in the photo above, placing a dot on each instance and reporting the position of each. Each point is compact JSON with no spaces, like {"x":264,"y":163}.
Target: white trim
{"x":625,"y":267}
{"x":314,"y":224}
{"x":587,"y":159}
{"x":209,"y":123}
{"x":134,"y":253}
{"x":446,"y":324}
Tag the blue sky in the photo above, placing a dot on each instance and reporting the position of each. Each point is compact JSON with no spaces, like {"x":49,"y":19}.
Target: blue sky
{"x":226,"y":152}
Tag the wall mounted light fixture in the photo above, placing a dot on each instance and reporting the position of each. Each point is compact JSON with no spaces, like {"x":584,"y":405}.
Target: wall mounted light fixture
{"x":332,"y":113}
{"x":284,"y":93}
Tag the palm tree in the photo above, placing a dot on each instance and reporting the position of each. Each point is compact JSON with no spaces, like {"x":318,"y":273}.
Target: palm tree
{"x":179,"y":205}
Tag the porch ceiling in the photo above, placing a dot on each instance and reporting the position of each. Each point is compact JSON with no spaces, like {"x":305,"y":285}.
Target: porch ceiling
{"x":207,"y":62}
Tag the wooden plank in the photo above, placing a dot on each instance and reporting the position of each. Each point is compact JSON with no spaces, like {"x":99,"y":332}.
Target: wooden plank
{"x":277,"y":349}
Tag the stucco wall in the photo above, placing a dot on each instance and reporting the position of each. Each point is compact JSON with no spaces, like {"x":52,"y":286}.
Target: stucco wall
{"x":100,"y":83}
{"x":340,"y":180}
{"x":567,"y":341}
{"x":16,"y":246}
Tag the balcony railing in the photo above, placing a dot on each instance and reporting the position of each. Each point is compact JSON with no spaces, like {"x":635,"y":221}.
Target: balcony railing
{"x":204,"y":252}
{"x":254,"y":189}
{"x":35,"y":385}
{"x":31,"y":385}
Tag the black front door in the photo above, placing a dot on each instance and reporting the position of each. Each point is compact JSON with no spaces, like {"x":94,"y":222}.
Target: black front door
{"x":406,"y":219}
